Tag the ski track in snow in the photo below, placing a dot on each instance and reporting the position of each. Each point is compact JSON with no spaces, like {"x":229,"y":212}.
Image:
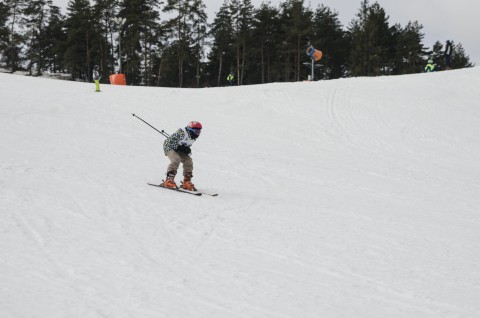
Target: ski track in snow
{"x":346,"y":198}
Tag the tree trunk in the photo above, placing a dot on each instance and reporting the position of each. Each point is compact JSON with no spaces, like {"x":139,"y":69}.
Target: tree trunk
{"x":263,"y":64}
{"x":198,"y":74}
{"x":12,"y":48}
{"x":238,"y":64}
{"x":243,"y":62}
{"x":220,"y":70}
{"x":88,"y":57}
{"x":159,"y":72}
{"x":297,"y":60}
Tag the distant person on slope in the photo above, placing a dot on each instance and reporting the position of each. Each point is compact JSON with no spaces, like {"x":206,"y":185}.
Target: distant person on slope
{"x":430,"y":66}
{"x":230,"y":78}
{"x":448,"y":55}
{"x":177,"y":149}
{"x":96,"y":78}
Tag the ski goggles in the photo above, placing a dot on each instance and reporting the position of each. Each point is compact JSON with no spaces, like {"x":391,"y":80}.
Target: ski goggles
{"x":196,"y":131}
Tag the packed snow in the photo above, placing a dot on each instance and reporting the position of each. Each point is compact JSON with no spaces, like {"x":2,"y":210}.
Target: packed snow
{"x":347,"y":198}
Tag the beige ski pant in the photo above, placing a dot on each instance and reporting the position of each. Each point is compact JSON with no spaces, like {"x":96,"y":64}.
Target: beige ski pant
{"x":177,"y":158}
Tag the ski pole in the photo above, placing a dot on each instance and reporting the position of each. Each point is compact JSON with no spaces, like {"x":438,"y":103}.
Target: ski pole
{"x":162,"y":131}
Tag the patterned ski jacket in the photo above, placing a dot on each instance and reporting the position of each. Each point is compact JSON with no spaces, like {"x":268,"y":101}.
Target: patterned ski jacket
{"x":178,"y":138}
{"x":95,"y":75}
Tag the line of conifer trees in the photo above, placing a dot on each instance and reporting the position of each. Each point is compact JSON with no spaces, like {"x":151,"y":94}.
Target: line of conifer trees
{"x":171,"y":44}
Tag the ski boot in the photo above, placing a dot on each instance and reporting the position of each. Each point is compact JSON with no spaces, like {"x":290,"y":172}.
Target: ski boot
{"x":170,"y":182}
{"x":187,"y":182}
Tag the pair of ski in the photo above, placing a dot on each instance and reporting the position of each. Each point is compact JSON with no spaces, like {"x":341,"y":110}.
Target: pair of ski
{"x":197,"y":193}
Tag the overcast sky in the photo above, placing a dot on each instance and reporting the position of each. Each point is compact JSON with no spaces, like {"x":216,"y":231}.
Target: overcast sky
{"x":441,"y":19}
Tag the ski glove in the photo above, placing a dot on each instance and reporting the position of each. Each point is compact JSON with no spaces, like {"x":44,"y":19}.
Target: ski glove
{"x":184,"y":149}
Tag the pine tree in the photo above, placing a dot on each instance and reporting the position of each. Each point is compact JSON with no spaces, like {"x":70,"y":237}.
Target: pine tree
{"x":371,"y":39}
{"x":35,"y":19}
{"x":200,"y":34}
{"x":221,"y":50}
{"x":330,"y":38}
{"x":267,"y":37}
{"x":410,"y":49}
{"x":4,"y":30}
{"x":459,"y":58}
{"x":104,"y":12}
{"x":54,"y":40}
{"x":298,"y":28}
{"x":177,"y":26}
{"x":12,"y":54}
{"x":242,"y":21}
{"x":181,"y":26}
{"x":437,"y":55}
{"x":139,"y":37}
{"x":80,"y":36}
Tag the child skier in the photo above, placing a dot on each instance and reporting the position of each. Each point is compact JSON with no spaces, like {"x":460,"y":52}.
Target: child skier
{"x":430,"y":66}
{"x":96,"y":78}
{"x":230,"y":78}
{"x":177,"y":149}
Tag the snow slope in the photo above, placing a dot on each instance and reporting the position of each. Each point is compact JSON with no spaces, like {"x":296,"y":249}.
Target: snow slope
{"x":345,"y":198}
